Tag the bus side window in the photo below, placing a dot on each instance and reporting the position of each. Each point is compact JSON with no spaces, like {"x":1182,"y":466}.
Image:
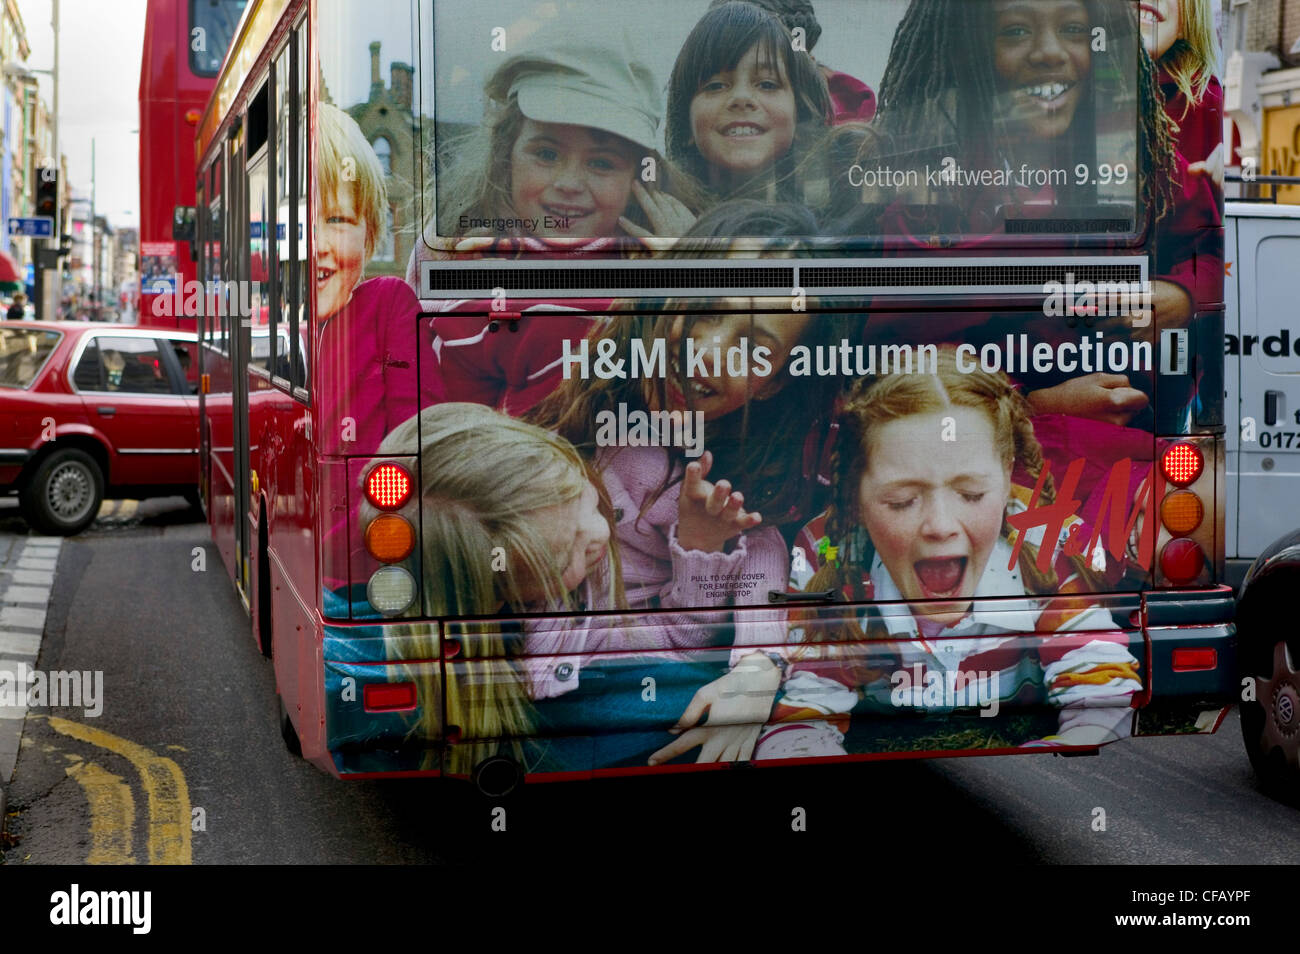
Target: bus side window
{"x":296,"y":280}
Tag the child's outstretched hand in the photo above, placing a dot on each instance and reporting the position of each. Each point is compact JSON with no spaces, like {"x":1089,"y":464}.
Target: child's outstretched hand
{"x":733,"y":707}
{"x":1211,"y":166}
{"x":710,"y":514}
{"x":669,"y":219}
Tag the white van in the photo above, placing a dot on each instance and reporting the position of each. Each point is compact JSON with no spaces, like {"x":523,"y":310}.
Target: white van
{"x":1261,"y":378}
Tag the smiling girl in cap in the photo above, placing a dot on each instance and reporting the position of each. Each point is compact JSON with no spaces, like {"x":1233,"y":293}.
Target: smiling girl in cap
{"x":531,"y":174}
{"x":529,"y":181}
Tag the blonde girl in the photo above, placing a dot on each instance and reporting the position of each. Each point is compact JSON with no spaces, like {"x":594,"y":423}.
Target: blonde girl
{"x":515,"y":523}
{"x":1180,"y":37}
{"x":928,"y":522}
{"x":352,"y":208}
{"x":512,"y":523}
{"x":366,"y":330}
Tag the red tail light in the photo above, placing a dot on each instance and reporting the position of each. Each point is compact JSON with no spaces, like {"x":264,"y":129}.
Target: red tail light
{"x":389,"y":696}
{"x":1182,"y":464}
{"x":1194,"y":660}
{"x":388,"y":486}
{"x":1182,"y":560}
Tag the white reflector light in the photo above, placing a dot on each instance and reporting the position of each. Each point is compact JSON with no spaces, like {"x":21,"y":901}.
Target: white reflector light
{"x":391,"y":590}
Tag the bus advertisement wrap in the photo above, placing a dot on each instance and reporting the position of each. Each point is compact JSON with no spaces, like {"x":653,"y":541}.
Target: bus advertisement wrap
{"x":590,"y":516}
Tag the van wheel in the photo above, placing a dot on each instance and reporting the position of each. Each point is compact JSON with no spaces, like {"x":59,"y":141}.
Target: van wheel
{"x":1270,"y":727}
{"x":63,"y":495}
{"x":287,"y":731}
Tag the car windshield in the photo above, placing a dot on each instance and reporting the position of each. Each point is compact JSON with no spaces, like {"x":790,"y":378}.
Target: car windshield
{"x":23,"y":352}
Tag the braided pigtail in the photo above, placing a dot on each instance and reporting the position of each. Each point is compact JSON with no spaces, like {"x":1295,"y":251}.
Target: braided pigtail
{"x":1030,"y":454}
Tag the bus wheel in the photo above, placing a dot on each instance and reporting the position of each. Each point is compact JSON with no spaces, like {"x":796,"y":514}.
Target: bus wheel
{"x":287,"y":731}
{"x":1270,"y":727}
{"x":64,"y":494}
{"x":498,"y":776}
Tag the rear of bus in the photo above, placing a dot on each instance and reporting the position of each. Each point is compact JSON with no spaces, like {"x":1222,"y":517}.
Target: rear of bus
{"x":886,"y":458}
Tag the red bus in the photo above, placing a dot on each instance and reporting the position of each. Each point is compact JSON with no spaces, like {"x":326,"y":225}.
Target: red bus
{"x":860,"y":397}
{"x":184,"y":44}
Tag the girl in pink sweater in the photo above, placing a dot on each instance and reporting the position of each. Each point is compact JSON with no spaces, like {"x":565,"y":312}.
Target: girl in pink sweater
{"x":698,"y":525}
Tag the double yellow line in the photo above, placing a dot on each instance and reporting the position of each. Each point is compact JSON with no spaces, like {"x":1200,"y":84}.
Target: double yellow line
{"x":112,"y":807}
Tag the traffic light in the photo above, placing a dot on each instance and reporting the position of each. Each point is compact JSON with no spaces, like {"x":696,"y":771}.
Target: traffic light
{"x":47,"y":191}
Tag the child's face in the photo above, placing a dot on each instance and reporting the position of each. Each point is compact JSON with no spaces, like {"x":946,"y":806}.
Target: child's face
{"x":575,"y":531}
{"x":1042,"y":56}
{"x":718,"y":394}
{"x":1162,"y":23}
{"x":340,"y":252}
{"x":934,"y":508}
{"x":743,"y":120}
{"x":575,"y":181}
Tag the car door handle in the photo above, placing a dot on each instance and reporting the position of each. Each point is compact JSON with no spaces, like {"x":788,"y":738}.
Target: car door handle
{"x":1270,"y":407}
{"x":106,"y":411}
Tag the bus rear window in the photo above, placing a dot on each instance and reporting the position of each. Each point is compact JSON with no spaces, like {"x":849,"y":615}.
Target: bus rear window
{"x":924,"y":133}
{"x":217,"y":19}
{"x":23,"y":353}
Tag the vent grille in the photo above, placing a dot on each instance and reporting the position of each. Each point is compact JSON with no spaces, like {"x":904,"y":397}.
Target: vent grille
{"x":927,"y":276}
{"x":640,"y":278}
{"x":938,"y":276}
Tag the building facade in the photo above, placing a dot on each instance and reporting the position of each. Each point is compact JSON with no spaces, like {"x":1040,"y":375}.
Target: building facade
{"x":1262,"y":87}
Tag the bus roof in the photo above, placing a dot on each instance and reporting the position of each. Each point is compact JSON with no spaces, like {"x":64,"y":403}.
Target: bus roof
{"x":255,"y":27}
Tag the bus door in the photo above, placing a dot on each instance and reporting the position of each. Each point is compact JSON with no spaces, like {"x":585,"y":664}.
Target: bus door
{"x":1268,"y":360}
{"x":236,"y":216}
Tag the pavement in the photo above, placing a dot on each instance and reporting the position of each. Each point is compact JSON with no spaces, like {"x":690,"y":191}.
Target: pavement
{"x":26,"y":574}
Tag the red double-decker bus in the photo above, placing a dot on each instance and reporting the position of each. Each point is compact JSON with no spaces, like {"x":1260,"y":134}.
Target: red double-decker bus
{"x":184,"y":45}
{"x":592,"y":430}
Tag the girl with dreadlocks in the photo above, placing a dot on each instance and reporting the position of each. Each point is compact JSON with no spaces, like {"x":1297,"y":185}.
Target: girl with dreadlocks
{"x":927,"y":523}
{"x":1012,"y":89}
{"x":745,"y":109}
{"x":1001,"y":86}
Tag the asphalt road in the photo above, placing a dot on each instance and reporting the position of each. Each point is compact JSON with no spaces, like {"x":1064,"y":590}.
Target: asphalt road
{"x":189,"y":710}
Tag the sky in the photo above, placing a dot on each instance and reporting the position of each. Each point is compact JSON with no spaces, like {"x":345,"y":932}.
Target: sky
{"x":99,"y":52}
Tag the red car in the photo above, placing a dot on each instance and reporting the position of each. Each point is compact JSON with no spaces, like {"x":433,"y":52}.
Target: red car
{"x":89,"y":410}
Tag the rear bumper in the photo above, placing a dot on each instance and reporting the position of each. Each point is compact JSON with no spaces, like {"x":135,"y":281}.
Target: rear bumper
{"x":1182,"y":693}
{"x":366,"y":739}
{"x":1191,"y":620}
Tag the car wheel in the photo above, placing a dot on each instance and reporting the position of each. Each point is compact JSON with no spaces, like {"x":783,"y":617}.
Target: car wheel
{"x":63,"y":495}
{"x":1270,"y":726}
